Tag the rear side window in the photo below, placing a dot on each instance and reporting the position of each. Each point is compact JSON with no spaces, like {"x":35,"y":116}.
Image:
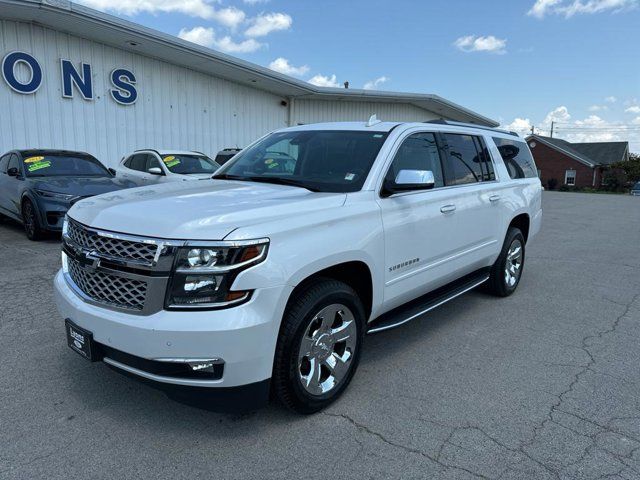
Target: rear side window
{"x":467,"y":160}
{"x":517,"y":158}
{"x":4,"y":162}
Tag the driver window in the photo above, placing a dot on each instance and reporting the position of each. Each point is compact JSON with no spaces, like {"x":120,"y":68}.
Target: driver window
{"x":14,"y":162}
{"x":418,"y":152}
{"x":152,"y":162}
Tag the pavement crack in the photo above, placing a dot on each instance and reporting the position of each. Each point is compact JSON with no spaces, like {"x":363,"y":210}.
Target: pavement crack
{"x":435,"y":459}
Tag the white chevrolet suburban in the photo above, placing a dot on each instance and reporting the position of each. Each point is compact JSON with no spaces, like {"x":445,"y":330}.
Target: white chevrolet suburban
{"x":266,"y":278}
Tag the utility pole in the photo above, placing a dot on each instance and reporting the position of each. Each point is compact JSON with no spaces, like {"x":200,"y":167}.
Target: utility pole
{"x":552,"y":124}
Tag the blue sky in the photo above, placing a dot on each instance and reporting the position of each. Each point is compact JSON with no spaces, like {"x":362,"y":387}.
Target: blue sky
{"x":522,"y":62}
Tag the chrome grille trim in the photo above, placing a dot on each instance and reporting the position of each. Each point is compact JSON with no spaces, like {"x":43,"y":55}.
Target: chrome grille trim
{"x":105,"y":288}
{"x":130,"y":249}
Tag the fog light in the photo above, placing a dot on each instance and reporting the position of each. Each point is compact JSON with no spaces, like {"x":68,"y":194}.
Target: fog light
{"x":205,"y":367}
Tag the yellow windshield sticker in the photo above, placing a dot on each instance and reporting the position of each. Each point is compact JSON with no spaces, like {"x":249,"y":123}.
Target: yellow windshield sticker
{"x":171,"y":161}
{"x":33,"y":159}
{"x":39,"y":165}
{"x":268,"y":161}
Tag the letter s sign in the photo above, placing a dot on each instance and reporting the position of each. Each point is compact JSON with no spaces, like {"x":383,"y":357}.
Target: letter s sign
{"x":125,"y":92}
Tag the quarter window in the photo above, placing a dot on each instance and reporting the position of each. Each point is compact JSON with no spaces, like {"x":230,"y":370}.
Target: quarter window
{"x":570,"y":177}
{"x":517,"y":158}
{"x":466,"y":162}
{"x":418,"y":152}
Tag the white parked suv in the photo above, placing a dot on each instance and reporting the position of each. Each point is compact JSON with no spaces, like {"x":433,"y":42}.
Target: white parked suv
{"x":267,"y":277}
{"x":148,"y":167}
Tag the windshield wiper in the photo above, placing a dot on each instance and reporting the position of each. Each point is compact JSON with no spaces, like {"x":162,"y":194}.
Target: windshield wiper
{"x":274,"y":180}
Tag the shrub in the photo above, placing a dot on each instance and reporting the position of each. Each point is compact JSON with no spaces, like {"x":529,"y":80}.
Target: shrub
{"x":552,"y":183}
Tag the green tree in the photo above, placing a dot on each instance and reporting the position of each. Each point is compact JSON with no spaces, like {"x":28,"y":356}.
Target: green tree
{"x":631,"y":167}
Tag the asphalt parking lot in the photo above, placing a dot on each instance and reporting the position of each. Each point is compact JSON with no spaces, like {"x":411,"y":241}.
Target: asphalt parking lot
{"x":543,"y":384}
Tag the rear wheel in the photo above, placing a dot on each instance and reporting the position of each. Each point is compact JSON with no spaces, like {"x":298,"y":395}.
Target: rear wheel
{"x":507,"y":271}
{"x":319,"y":345}
{"x":30,"y":221}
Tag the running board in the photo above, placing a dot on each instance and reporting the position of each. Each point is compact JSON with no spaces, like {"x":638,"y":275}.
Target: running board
{"x":428,"y":302}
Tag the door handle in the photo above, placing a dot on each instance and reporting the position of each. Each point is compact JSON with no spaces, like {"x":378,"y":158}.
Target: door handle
{"x":448,"y":208}
{"x":494,"y":198}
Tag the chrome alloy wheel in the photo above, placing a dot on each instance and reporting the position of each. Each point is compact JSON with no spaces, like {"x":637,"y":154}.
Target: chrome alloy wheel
{"x":513,"y":267}
{"x":327,"y":348}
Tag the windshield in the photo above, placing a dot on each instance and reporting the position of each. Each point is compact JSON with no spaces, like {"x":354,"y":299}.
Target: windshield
{"x":320,"y":160}
{"x":63,"y":165}
{"x":189,"y":164}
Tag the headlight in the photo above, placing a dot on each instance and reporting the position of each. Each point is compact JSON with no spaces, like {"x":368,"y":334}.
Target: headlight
{"x":56,"y":195}
{"x":65,"y":226}
{"x":203,"y":274}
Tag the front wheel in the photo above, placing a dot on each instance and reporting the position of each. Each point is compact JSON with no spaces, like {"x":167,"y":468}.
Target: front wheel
{"x":319,"y":345}
{"x":30,"y":221}
{"x":507,"y":270}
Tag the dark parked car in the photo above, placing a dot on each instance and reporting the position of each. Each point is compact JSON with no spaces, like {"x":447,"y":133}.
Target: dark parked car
{"x":225,"y":155}
{"x":635,"y":190}
{"x":37,"y":187}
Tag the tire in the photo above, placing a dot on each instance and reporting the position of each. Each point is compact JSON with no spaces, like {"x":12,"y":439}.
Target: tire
{"x":323,"y":323}
{"x":506,"y":272}
{"x":30,"y":221}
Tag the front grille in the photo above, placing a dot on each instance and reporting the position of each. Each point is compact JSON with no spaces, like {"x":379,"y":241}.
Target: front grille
{"x":111,"y":247}
{"x":105,"y":288}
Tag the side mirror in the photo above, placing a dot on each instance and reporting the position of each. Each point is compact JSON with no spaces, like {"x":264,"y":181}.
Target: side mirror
{"x":155,"y":171}
{"x":409,"y":180}
{"x":13,"y":172}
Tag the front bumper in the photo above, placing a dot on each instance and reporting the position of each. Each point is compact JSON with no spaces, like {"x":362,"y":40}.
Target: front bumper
{"x":244,"y":337}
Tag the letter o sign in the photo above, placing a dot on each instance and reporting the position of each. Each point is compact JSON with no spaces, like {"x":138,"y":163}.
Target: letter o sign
{"x":9,"y":63}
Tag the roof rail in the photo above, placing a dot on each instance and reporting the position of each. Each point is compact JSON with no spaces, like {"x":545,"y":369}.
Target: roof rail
{"x":442,"y":121}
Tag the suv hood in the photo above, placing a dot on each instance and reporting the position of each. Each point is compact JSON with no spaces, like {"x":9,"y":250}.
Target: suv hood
{"x":79,"y":186}
{"x":204,"y":210}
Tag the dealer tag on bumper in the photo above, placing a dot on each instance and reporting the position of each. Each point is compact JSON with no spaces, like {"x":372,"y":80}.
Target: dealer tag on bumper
{"x":80,"y":340}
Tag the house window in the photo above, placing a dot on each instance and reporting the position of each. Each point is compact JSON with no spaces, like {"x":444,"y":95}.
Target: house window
{"x":570,"y":177}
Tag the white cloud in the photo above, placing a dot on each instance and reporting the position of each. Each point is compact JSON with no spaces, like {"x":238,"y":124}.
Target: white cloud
{"x":324,"y":81}
{"x":590,"y":129}
{"x":611,"y":99}
{"x":207,"y":38}
{"x":542,"y":7}
{"x":569,"y":8}
{"x":521,"y":126}
{"x":375,"y":84}
{"x":282,"y":65}
{"x":558,"y":115}
{"x":598,"y":108}
{"x":230,"y":17}
{"x":200,"y":35}
{"x":265,"y":23}
{"x":490,"y":44}
{"x":633,"y":109}
{"x":195,"y":8}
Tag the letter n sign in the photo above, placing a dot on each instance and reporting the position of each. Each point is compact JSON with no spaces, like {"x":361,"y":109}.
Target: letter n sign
{"x":71,"y":78}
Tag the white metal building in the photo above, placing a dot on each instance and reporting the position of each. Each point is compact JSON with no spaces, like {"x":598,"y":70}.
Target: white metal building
{"x":79,"y":79}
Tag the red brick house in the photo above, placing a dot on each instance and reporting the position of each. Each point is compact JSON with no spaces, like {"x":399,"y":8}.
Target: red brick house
{"x":575,"y":164}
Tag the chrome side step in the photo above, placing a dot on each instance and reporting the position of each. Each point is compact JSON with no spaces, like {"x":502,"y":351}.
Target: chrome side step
{"x":410,"y":311}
